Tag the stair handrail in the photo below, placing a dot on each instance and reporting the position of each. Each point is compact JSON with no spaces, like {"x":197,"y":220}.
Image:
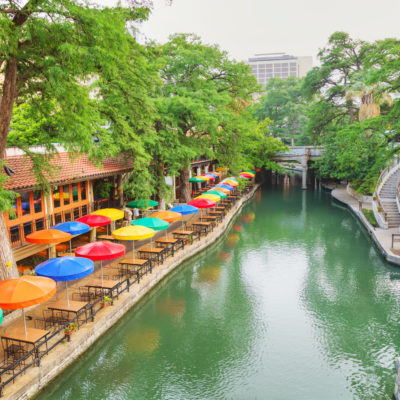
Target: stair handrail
{"x":377,"y":205}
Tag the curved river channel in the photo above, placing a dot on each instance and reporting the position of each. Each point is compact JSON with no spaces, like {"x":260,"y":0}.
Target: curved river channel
{"x":293,"y":303}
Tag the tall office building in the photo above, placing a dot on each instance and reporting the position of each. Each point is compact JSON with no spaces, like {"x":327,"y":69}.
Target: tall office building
{"x":279,"y":65}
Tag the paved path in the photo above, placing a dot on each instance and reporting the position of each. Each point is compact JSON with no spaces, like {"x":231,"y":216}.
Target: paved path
{"x":381,"y":237}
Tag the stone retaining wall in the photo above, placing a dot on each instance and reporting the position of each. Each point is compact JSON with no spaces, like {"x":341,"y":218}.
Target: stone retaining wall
{"x":63,"y":355}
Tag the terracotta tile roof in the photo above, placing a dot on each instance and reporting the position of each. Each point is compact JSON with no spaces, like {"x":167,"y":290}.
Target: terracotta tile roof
{"x":66,"y":170}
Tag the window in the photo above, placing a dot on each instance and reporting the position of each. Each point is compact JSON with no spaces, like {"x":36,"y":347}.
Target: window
{"x":14,"y":234}
{"x":56,"y":197}
{"x":39,"y":224}
{"x":28,"y":228}
{"x":75,"y":193}
{"x":37,"y":201}
{"x":25,"y":204}
{"x":83,"y":190}
{"x":66,"y":194}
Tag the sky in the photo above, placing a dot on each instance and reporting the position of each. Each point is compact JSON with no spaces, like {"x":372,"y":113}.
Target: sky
{"x":296,"y":27}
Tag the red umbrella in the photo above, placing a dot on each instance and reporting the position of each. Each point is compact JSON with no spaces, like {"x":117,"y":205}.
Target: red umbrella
{"x":202,"y":203}
{"x":99,"y":251}
{"x":94,"y":220}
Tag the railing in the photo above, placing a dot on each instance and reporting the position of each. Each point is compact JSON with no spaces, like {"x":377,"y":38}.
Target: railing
{"x":19,"y":366}
{"x":376,"y":199}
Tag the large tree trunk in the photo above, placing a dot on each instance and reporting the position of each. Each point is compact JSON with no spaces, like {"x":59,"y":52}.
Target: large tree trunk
{"x":8,"y":267}
{"x":185,"y":185}
{"x":7,"y":102}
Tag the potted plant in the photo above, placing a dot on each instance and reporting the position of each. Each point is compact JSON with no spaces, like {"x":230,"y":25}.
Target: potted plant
{"x":380,"y":209}
{"x":70,"y":328}
{"x":104,"y":301}
{"x":374,"y":198}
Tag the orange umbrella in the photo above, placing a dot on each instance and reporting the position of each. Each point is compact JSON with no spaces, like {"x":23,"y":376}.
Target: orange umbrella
{"x":24,"y":292}
{"x":169,"y":216}
{"x":48,"y":236}
{"x":220,"y":189}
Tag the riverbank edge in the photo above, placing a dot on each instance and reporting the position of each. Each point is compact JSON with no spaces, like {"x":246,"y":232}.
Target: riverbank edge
{"x":337,"y":195}
{"x":33,"y":381}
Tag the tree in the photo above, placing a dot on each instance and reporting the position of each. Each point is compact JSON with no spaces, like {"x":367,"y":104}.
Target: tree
{"x":202,"y":92}
{"x":285,"y":105}
{"x":327,"y":84}
{"x":79,"y":74}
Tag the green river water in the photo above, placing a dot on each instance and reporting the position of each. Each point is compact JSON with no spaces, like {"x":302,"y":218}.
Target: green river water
{"x":293,"y":303}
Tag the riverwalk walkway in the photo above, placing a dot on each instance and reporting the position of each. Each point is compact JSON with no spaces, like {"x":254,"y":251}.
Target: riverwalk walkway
{"x":381,"y":237}
{"x":36,"y":377}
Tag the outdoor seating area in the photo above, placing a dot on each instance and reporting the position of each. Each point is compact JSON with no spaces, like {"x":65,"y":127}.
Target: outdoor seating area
{"x":95,"y":274}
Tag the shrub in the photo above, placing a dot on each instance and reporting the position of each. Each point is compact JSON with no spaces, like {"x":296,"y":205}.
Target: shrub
{"x":369,"y":214}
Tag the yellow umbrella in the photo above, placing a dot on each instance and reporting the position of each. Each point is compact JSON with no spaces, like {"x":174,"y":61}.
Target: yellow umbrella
{"x":111,"y":213}
{"x":133,"y":232}
{"x":221,"y":169}
{"x":234,"y":183}
{"x":212,"y":197}
{"x":57,"y":196}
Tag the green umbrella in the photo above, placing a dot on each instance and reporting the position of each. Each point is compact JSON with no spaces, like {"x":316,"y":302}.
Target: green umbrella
{"x":156,"y":224}
{"x":142,"y":203}
{"x":217,"y":192}
{"x":253,"y":172}
{"x":195,"y":179}
{"x":1,"y":315}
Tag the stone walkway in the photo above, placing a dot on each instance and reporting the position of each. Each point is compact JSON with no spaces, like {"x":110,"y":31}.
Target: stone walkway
{"x":381,"y":237}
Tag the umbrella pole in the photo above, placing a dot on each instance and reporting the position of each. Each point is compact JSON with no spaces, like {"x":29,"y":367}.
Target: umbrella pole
{"x":166,"y":236}
{"x":101,"y":267}
{"x":66,"y":289}
{"x":23,"y":316}
{"x":151,"y":243}
{"x":133,"y":250}
{"x":70,"y":245}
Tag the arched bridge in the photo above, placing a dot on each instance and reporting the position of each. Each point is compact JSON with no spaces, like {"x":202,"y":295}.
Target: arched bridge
{"x":302,"y":155}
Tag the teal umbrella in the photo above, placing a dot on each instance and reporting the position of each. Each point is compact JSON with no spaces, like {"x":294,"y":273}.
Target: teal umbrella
{"x":195,"y":179}
{"x":156,"y":224}
{"x":1,"y":315}
{"x":142,"y":203}
{"x":217,"y":192}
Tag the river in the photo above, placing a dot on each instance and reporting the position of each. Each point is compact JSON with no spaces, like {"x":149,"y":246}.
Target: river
{"x":293,"y":303}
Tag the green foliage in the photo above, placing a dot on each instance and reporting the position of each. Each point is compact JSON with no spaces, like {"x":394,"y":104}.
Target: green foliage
{"x":356,"y":153}
{"x":369,"y":214}
{"x":102,"y":189}
{"x":285,"y":105}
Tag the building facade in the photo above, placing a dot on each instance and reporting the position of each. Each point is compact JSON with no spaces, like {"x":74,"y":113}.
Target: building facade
{"x":278,"y":65}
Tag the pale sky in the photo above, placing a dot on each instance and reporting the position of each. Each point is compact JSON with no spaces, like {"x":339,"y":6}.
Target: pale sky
{"x":296,"y":27}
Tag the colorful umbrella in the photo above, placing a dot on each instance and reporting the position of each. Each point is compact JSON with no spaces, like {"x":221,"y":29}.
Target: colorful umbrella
{"x":246,"y":175}
{"x":210,"y":177}
{"x":133,"y":232}
{"x":57,"y":196}
{"x":1,"y":315}
{"x":217,"y":193}
{"x":196,"y":179}
{"x":222,"y":169}
{"x":215,"y":173}
{"x":73,"y":228}
{"x":184,"y":209}
{"x":95,"y":220}
{"x":154,"y":223}
{"x":24,"y":292}
{"x":99,"y":251}
{"x":202,"y":203}
{"x":211,"y":174}
{"x":112,"y":213}
{"x":142,"y":203}
{"x":169,"y":216}
{"x":64,"y":269}
{"x":221,"y":189}
{"x":230,"y":182}
{"x":212,"y":197}
{"x":223,"y":186}
{"x":251,"y":172}
{"x":47,"y":236}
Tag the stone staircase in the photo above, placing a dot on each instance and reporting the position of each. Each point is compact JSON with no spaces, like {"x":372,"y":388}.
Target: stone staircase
{"x":387,"y":196}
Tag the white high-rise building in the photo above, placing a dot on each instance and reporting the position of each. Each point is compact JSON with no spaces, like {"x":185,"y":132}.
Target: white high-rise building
{"x":280,"y":65}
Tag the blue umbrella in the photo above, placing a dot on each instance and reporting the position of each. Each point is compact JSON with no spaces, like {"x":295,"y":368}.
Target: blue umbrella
{"x":63,"y":269}
{"x":210,"y":173}
{"x":185,"y":209}
{"x":73,"y":228}
{"x":225,"y":186}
